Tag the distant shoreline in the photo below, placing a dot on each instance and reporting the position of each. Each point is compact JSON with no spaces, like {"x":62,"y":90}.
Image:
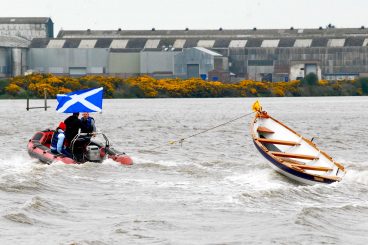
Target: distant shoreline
{"x":35,"y":85}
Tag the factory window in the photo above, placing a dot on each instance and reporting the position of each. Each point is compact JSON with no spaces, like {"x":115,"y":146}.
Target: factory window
{"x":260,"y":62}
{"x":87,"y":44}
{"x":152,"y":43}
{"x":179,"y":43}
{"x":4,"y":69}
{"x":206,"y":43}
{"x":336,"y":43}
{"x":119,"y":44}
{"x":270,"y":43}
{"x":303,"y":43}
{"x":365,"y":43}
{"x":56,"y":44}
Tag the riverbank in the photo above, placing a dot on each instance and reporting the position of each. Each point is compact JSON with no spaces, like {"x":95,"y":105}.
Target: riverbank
{"x":147,"y":87}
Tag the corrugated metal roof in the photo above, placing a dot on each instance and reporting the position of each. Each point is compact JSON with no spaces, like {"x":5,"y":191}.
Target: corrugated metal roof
{"x":286,"y":42}
{"x":214,"y":34}
{"x":103,"y":42}
{"x":354,"y":42}
{"x":208,"y":51}
{"x":319,"y":42}
{"x":159,"y":44}
{"x":13,"y":42}
{"x":136,"y":43}
{"x":39,"y":43}
{"x":222,"y":43}
{"x":190,"y":43}
{"x":72,"y":43}
{"x":132,"y":50}
{"x":254,"y":43}
{"x":24,"y":20}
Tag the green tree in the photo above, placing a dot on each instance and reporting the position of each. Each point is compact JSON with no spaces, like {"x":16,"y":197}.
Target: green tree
{"x":310,"y":80}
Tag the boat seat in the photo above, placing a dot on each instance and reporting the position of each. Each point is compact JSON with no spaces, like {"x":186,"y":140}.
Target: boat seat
{"x":265,"y":130}
{"x":277,"y":142}
{"x":289,"y":160}
{"x":292,"y":155}
{"x":310,"y":167}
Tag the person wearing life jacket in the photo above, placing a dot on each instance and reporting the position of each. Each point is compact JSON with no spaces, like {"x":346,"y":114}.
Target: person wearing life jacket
{"x":87,"y":124}
{"x":57,"y":141}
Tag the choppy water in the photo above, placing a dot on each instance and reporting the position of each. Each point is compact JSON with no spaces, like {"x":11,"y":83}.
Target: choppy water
{"x":215,"y":189}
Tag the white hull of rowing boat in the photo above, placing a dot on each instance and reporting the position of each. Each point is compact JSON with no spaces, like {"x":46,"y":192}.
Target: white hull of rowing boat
{"x":292,"y":155}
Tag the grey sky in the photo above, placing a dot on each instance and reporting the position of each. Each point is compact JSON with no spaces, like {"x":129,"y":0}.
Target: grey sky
{"x":194,"y":14}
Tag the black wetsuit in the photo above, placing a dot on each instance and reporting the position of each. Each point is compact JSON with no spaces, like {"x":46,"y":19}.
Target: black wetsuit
{"x":73,"y":124}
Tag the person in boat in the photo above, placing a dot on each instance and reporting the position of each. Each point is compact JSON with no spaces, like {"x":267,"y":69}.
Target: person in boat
{"x":57,"y":141}
{"x":88,"y":124}
{"x":73,"y":124}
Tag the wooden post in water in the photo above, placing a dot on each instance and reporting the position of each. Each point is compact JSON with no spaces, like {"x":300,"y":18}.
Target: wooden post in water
{"x":27,"y":103}
{"x":39,"y":107}
{"x":45,"y":91}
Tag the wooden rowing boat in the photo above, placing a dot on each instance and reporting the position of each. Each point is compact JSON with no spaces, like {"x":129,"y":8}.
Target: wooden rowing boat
{"x":291,"y":154}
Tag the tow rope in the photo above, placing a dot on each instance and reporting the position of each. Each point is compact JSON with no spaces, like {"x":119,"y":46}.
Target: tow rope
{"x":181,"y":141}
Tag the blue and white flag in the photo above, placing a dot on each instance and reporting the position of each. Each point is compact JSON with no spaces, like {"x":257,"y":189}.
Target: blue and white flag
{"x":86,"y":100}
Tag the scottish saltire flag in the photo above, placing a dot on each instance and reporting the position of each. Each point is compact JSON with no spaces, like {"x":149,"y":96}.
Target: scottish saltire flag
{"x":86,"y":100}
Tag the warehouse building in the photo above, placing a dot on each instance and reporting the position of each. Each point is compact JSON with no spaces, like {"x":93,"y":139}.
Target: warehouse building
{"x":198,"y":62}
{"x":270,"y":55}
{"x":15,"y":38}
{"x":27,"y":27}
{"x":13,"y":56}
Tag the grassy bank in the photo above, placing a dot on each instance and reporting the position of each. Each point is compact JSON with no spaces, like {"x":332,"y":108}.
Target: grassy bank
{"x":148,"y":87}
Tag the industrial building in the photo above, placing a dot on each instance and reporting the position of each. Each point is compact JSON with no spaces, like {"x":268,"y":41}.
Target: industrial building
{"x":227,"y":55}
{"x":15,"y":37}
{"x":27,"y":27}
{"x":271,"y":55}
{"x":13,"y":56}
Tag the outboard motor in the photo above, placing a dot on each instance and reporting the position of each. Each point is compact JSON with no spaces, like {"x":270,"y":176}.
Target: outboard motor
{"x":93,"y":153}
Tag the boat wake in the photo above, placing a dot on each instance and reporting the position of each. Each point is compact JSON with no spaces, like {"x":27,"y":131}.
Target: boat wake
{"x":20,"y":174}
{"x":19,"y":217}
{"x":355,"y":176}
{"x":40,"y":205}
{"x":16,"y":164}
{"x":329,"y":220}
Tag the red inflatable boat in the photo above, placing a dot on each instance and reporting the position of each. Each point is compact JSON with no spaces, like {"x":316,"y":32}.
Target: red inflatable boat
{"x":83,"y":147}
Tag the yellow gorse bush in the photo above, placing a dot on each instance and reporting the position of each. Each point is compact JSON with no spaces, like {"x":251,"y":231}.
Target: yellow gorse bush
{"x":149,"y":87}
